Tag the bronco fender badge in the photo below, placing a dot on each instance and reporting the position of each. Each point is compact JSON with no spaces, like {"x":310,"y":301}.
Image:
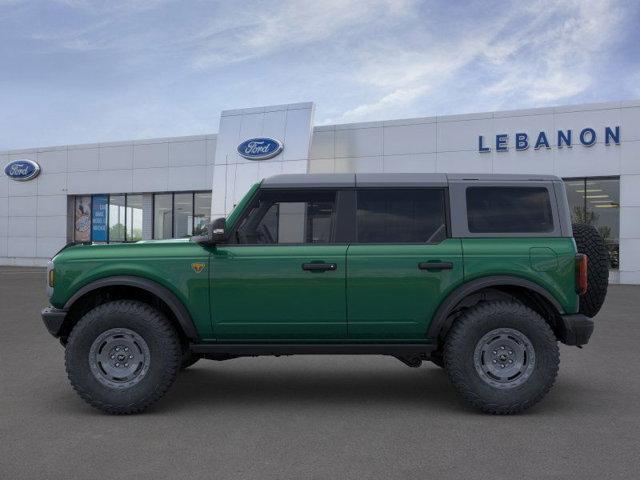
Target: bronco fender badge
{"x":197,"y":267}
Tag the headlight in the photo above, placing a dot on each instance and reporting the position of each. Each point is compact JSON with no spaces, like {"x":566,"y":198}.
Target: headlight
{"x":51,"y":278}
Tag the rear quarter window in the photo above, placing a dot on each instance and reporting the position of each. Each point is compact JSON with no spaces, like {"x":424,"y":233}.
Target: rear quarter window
{"x":509,"y":210}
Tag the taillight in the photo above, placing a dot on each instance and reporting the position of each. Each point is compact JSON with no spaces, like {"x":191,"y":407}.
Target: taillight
{"x":581,"y":273}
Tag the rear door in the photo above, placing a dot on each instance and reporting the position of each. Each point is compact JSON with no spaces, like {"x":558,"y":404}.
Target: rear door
{"x":402,"y":263}
{"x":284,"y":275}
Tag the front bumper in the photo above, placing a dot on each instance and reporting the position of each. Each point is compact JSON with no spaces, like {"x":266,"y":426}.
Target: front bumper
{"x":575,"y":329}
{"x":53,"y":319}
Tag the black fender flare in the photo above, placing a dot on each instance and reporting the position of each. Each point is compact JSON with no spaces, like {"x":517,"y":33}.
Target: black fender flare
{"x":461,"y":292}
{"x":167,"y":296}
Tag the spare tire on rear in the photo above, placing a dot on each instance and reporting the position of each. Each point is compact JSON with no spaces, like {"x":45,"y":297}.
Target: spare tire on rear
{"x":590,"y":242}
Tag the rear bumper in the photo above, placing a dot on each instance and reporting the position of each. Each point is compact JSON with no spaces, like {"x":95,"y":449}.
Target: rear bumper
{"x":575,"y":329}
{"x":53,"y":319}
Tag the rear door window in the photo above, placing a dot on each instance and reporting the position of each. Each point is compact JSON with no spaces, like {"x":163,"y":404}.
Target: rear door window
{"x":401,"y":215}
{"x":509,"y":210}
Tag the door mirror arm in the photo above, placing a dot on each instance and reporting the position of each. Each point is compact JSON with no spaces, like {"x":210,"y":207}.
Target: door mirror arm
{"x":214,"y":235}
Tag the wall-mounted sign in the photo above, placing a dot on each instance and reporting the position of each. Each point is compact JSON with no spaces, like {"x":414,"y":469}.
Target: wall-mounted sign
{"x":260,"y":148}
{"x":99,"y":205}
{"x":564,"y":138}
{"x":22,"y":170}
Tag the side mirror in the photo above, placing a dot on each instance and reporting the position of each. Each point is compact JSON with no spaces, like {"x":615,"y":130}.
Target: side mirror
{"x":215,"y":233}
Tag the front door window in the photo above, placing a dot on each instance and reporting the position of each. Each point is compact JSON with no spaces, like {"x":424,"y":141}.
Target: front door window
{"x":289,"y":218}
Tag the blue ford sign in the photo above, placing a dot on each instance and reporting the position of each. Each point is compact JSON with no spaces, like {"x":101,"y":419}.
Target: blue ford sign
{"x":260,"y":148}
{"x":22,"y":170}
{"x":565,"y":138}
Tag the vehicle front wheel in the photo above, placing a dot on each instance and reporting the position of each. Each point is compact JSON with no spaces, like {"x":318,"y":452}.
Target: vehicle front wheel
{"x":188,"y":358}
{"x":502,"y":357}
{"x":122,"y":356}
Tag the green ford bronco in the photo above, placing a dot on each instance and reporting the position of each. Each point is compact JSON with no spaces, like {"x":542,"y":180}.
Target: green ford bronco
{"x":480,"y":274}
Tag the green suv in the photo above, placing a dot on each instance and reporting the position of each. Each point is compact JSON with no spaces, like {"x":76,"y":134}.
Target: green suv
{"x":480,"y":274}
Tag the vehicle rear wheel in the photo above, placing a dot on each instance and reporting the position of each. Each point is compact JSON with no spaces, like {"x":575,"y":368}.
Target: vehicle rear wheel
{"x":502,"y":357}
{"x":436,"y":359}
{"x":122,"y":356}
{"x":590,"y":242}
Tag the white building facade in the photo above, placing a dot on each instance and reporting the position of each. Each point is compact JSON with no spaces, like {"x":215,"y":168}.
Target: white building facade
{"x":172,"y":187}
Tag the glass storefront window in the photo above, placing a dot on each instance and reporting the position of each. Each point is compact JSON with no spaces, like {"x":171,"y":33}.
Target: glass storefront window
{"x":117,"y":218}
{"x":162,"y":215}
{"x":201,"y":212}
{"x":99,"y":217}
{"x":182,"y":215}
{"x":596,"y":202}
{"x":179,"y":215}
{"x":134,"y":218}
{"x":82,"y":219}
{"x":104,"y":218}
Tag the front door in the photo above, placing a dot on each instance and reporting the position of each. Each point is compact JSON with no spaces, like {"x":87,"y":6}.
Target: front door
{"x":402,"y":263}
{"x":282,"y":276}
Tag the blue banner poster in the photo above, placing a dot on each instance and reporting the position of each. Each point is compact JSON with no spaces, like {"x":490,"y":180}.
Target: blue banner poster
{"x":99,"y":207}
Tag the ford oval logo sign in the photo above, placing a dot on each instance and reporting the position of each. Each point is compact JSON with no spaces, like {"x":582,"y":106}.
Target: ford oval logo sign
{"x":260,"y":148}
{"x":22,"y":170}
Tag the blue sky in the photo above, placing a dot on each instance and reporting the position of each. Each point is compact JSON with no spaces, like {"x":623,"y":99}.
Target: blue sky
{"x":76,"y":71}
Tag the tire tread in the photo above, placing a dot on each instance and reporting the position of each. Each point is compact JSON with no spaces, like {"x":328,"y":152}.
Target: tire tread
{"x":164,"y":330}
{"x":590,"y":242}
{"x":458,"y":335}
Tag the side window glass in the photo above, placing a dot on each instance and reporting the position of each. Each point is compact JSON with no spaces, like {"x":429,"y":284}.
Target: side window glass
{"x":509,"y":210}
{"x":401,"y":216}
{"x":286,"y":217}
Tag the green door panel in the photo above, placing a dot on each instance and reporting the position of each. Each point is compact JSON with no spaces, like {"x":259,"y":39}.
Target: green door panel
{"x":549,"y":262}
{"x":168,"y":263}
{"x":389,"y":297}
{"x":262,"y":292}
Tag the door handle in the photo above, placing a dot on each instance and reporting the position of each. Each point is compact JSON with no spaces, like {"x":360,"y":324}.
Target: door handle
{"x":319,"y":267}
{"x":435,"y":265}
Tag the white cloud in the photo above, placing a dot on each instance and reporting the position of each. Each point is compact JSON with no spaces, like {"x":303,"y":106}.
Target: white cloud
{"x":405,"y":76}
{"x":112,"y":5}
{"x":543,"y":51}
{"x":398,"y":98}
{"x":253,"y":33}
{"x":165,"y":67}
{"x":555,"y":63}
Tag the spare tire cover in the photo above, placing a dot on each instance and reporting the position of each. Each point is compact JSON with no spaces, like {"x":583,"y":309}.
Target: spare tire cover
{"x":590,"y":242}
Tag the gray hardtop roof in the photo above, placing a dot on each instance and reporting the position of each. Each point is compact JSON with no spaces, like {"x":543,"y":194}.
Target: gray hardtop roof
{"x":345,"y":180}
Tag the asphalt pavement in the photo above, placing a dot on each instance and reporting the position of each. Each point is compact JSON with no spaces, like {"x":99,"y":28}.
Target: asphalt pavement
{"x":315,"y":417}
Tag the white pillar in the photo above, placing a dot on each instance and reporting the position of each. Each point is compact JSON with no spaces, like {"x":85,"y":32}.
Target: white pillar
{"x":233,"y":175}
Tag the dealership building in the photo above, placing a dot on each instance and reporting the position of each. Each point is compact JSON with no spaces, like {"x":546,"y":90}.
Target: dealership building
{"x":171,"y":187}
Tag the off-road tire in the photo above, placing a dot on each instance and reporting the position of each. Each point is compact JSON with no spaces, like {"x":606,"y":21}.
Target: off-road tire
{"x":437,"y":359}
{"x":188,"y":358}
{"x":590,"y":242}
{"x":468,"y":331}
{"x":163,"y":348}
